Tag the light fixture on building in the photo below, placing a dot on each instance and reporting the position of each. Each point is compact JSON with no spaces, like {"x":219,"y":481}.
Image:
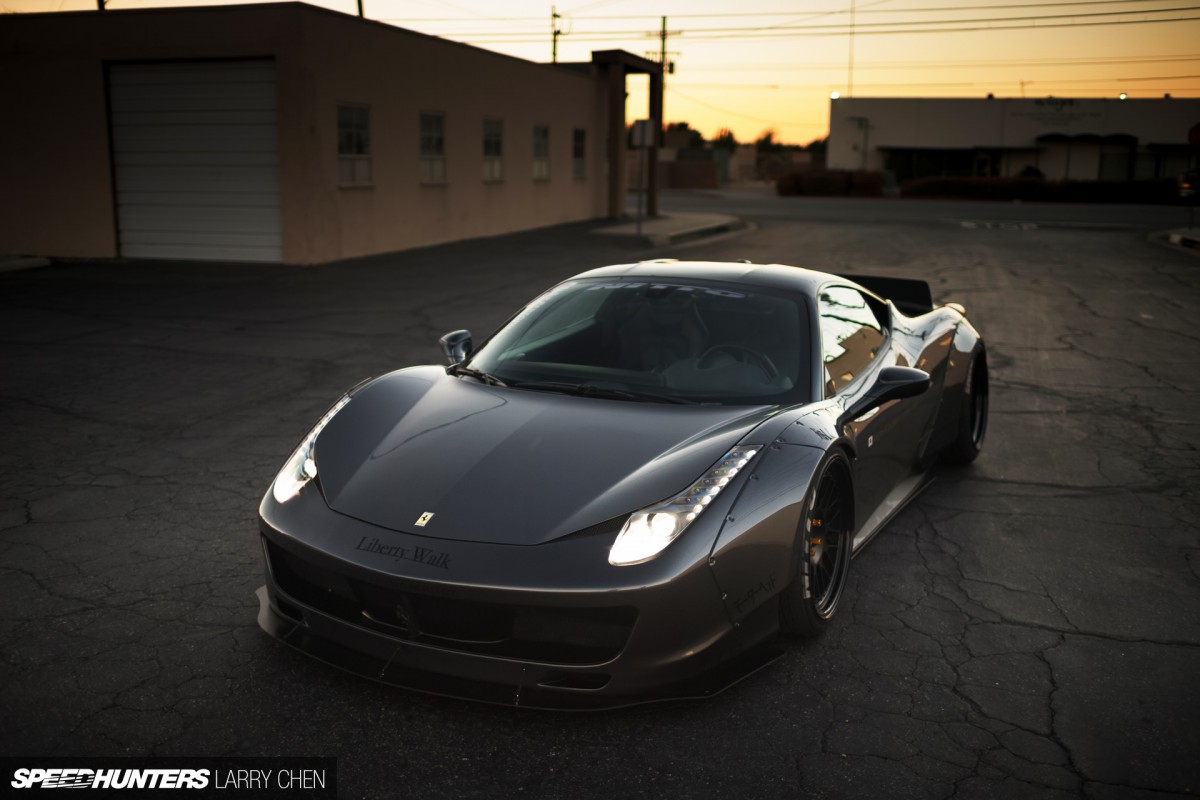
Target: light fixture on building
{"x":834,"y":95}
{"x":1122,"y":96}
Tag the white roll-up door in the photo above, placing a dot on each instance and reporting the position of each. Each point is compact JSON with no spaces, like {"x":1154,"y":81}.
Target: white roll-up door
{"x":196,"y":160}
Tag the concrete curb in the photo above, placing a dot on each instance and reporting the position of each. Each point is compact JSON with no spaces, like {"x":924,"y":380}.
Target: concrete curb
{"x":666,"y":230}
{"x":14,"y":263}
{"x":1185,"y":238}
{"x":695,"y":232}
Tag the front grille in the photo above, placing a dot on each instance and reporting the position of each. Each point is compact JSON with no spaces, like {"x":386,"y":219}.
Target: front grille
{"x":547,"y":634}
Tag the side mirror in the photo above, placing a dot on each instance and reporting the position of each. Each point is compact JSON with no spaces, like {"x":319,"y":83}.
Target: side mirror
{"x":893,"y":383}
{"x":456,"y":345}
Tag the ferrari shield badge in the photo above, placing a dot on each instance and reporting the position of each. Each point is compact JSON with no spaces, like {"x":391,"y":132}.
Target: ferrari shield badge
{"x":424,"y":519}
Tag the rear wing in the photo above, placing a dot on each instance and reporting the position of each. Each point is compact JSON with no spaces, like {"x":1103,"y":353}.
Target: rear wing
{"x":913,"y":297}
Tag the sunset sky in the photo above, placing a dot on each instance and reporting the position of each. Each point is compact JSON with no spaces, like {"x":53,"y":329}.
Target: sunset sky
{"x":771,"y":64}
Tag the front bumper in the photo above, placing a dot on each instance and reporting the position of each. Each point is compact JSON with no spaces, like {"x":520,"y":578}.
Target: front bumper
{"x":549,"y":626}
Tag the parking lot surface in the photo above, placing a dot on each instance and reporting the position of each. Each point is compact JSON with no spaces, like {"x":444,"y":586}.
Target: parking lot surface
{"x":1028,"y":628}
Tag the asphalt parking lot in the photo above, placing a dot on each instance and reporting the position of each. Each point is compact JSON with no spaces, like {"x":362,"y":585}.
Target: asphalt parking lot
{"x":1029,"y":628}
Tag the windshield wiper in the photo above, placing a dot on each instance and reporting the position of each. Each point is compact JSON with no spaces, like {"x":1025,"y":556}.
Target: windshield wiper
{"x":598,"y":390}
{"x":471,"y":372}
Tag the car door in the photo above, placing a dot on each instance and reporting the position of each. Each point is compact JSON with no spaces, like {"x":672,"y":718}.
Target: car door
{"x":856,"y":343}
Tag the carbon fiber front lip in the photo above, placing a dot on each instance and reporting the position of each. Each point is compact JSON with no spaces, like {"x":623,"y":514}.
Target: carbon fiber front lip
{"x":430,"y":670}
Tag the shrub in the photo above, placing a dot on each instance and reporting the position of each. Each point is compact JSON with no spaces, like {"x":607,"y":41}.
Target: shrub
{"x":830,"y":182}
{"x":1033,"y":189}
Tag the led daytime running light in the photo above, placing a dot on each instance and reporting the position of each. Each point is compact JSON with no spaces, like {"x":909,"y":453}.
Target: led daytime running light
{"x":301,"y":467}
{"x":648,"y":532}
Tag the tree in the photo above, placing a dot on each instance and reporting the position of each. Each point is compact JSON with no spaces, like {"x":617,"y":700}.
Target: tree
{"x":694,"y":138}
{"x":766,"y":142}
{"x":724,"y":140}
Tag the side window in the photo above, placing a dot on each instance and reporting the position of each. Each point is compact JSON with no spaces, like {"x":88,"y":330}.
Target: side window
{"x":433,"y":148}
{"x":493,"y":150}
{"x":579,"y":154}
{"x":541,"y":152}
{"x":354,"y":145}
{"x":851,"y":335}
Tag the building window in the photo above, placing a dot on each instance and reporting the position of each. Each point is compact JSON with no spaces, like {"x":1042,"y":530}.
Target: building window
{"x":493,"y":150}
{"x":354,"y":145}
{"x":541,"y":152}
{"x":433,"y":148}
{"x":579,"y":154}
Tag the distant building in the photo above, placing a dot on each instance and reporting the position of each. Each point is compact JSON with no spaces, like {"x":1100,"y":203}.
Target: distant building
{"x":290,"y":133}
{"x":1093,"y":139}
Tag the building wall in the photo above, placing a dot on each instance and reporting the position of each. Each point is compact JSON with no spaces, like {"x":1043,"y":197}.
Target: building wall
{"x":1006,"y":128}
{"x":399,"y":75}
{"x":54,"y":144}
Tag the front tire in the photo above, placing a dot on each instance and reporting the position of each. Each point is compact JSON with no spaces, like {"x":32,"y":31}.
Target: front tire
{"x":973,"y":416}
{"x":822,"y":551}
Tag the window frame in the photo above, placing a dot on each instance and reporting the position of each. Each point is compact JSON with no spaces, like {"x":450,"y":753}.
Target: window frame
{"x":432,"y":164}
{"x":579,"y":154}
{"x":493,"y":150}
{"x":541,"y":160}
{"x":354,"y":163}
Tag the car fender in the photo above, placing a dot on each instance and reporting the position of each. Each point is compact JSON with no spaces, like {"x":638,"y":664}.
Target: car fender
{"x":752,"y":557}
{"x":965,"y":341}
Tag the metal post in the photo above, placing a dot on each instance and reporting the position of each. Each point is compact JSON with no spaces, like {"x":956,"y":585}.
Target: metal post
{"x":850,"y":76}
{"x":554,"y":35}
{"x":641,"y":186}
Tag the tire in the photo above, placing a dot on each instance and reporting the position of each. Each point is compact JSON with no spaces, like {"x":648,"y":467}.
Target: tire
{"x":822,"y":551}
{"x":973,"y":416}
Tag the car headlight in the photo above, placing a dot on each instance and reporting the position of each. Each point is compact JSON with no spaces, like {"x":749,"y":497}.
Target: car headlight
{"x":302,"y":467}
{"x":647,"y":532}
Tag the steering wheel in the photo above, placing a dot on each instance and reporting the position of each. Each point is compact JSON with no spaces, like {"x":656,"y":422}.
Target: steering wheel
{"x":744,"y":355}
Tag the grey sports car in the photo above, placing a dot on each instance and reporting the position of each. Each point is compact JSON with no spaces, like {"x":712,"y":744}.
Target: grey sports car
{"x":625,"y":492}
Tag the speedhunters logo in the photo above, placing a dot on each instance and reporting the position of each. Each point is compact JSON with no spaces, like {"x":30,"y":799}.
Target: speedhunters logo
{"x":110,"y":779}
{"x":170,"y":776}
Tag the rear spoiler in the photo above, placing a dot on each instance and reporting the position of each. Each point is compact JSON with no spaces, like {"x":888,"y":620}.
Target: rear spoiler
{"x":913,"y":297}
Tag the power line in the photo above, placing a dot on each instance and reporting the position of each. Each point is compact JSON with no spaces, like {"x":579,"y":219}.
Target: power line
{"x":965,"y":29}
{"x":743,"y":15}
{"x":972,"y":21}
{"x":1084,"y":61}
{"x":691,"y":99}
{"x":783,"y":86}
{"x":875,"y":27}
{"x":480,"y":38}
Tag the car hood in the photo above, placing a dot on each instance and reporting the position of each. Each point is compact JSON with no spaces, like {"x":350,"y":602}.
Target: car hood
{"x":511,"y":466}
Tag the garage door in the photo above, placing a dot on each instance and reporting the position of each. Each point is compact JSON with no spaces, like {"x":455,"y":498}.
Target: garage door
{"x":196,"y":160}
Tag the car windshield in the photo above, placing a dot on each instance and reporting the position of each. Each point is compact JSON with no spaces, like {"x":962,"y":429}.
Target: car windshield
{"x":682,"y":341}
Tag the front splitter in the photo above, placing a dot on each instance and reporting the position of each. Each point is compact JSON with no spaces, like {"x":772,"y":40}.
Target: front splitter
{"x":500,"y":681}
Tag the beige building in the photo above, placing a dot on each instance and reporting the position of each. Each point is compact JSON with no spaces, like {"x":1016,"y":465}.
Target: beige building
{"x":1094,"y":139}
{"x":290,"y":133}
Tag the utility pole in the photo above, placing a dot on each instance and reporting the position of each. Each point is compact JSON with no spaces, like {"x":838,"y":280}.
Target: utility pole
{"x":662,"y":44}
{"x":99,"y":5}
{"x":662,"y":65}
{"x":360,"y":9}
{"x":850,"y":77}
{"x":554,"y":34}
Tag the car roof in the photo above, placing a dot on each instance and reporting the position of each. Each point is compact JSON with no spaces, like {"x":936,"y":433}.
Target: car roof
{"x":779,"y":276}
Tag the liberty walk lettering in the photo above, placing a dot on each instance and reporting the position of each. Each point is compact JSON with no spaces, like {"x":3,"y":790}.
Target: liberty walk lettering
{"x":422,"y":555}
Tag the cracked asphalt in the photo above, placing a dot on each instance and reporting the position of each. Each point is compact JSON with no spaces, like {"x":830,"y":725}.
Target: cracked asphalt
{"x":1028,"y":628}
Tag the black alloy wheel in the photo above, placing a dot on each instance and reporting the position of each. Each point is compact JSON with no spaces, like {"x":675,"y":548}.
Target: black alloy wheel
{"x":822,"y":552}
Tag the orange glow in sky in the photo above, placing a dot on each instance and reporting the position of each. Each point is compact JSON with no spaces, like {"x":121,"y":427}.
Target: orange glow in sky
{"x":772,"y":64}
